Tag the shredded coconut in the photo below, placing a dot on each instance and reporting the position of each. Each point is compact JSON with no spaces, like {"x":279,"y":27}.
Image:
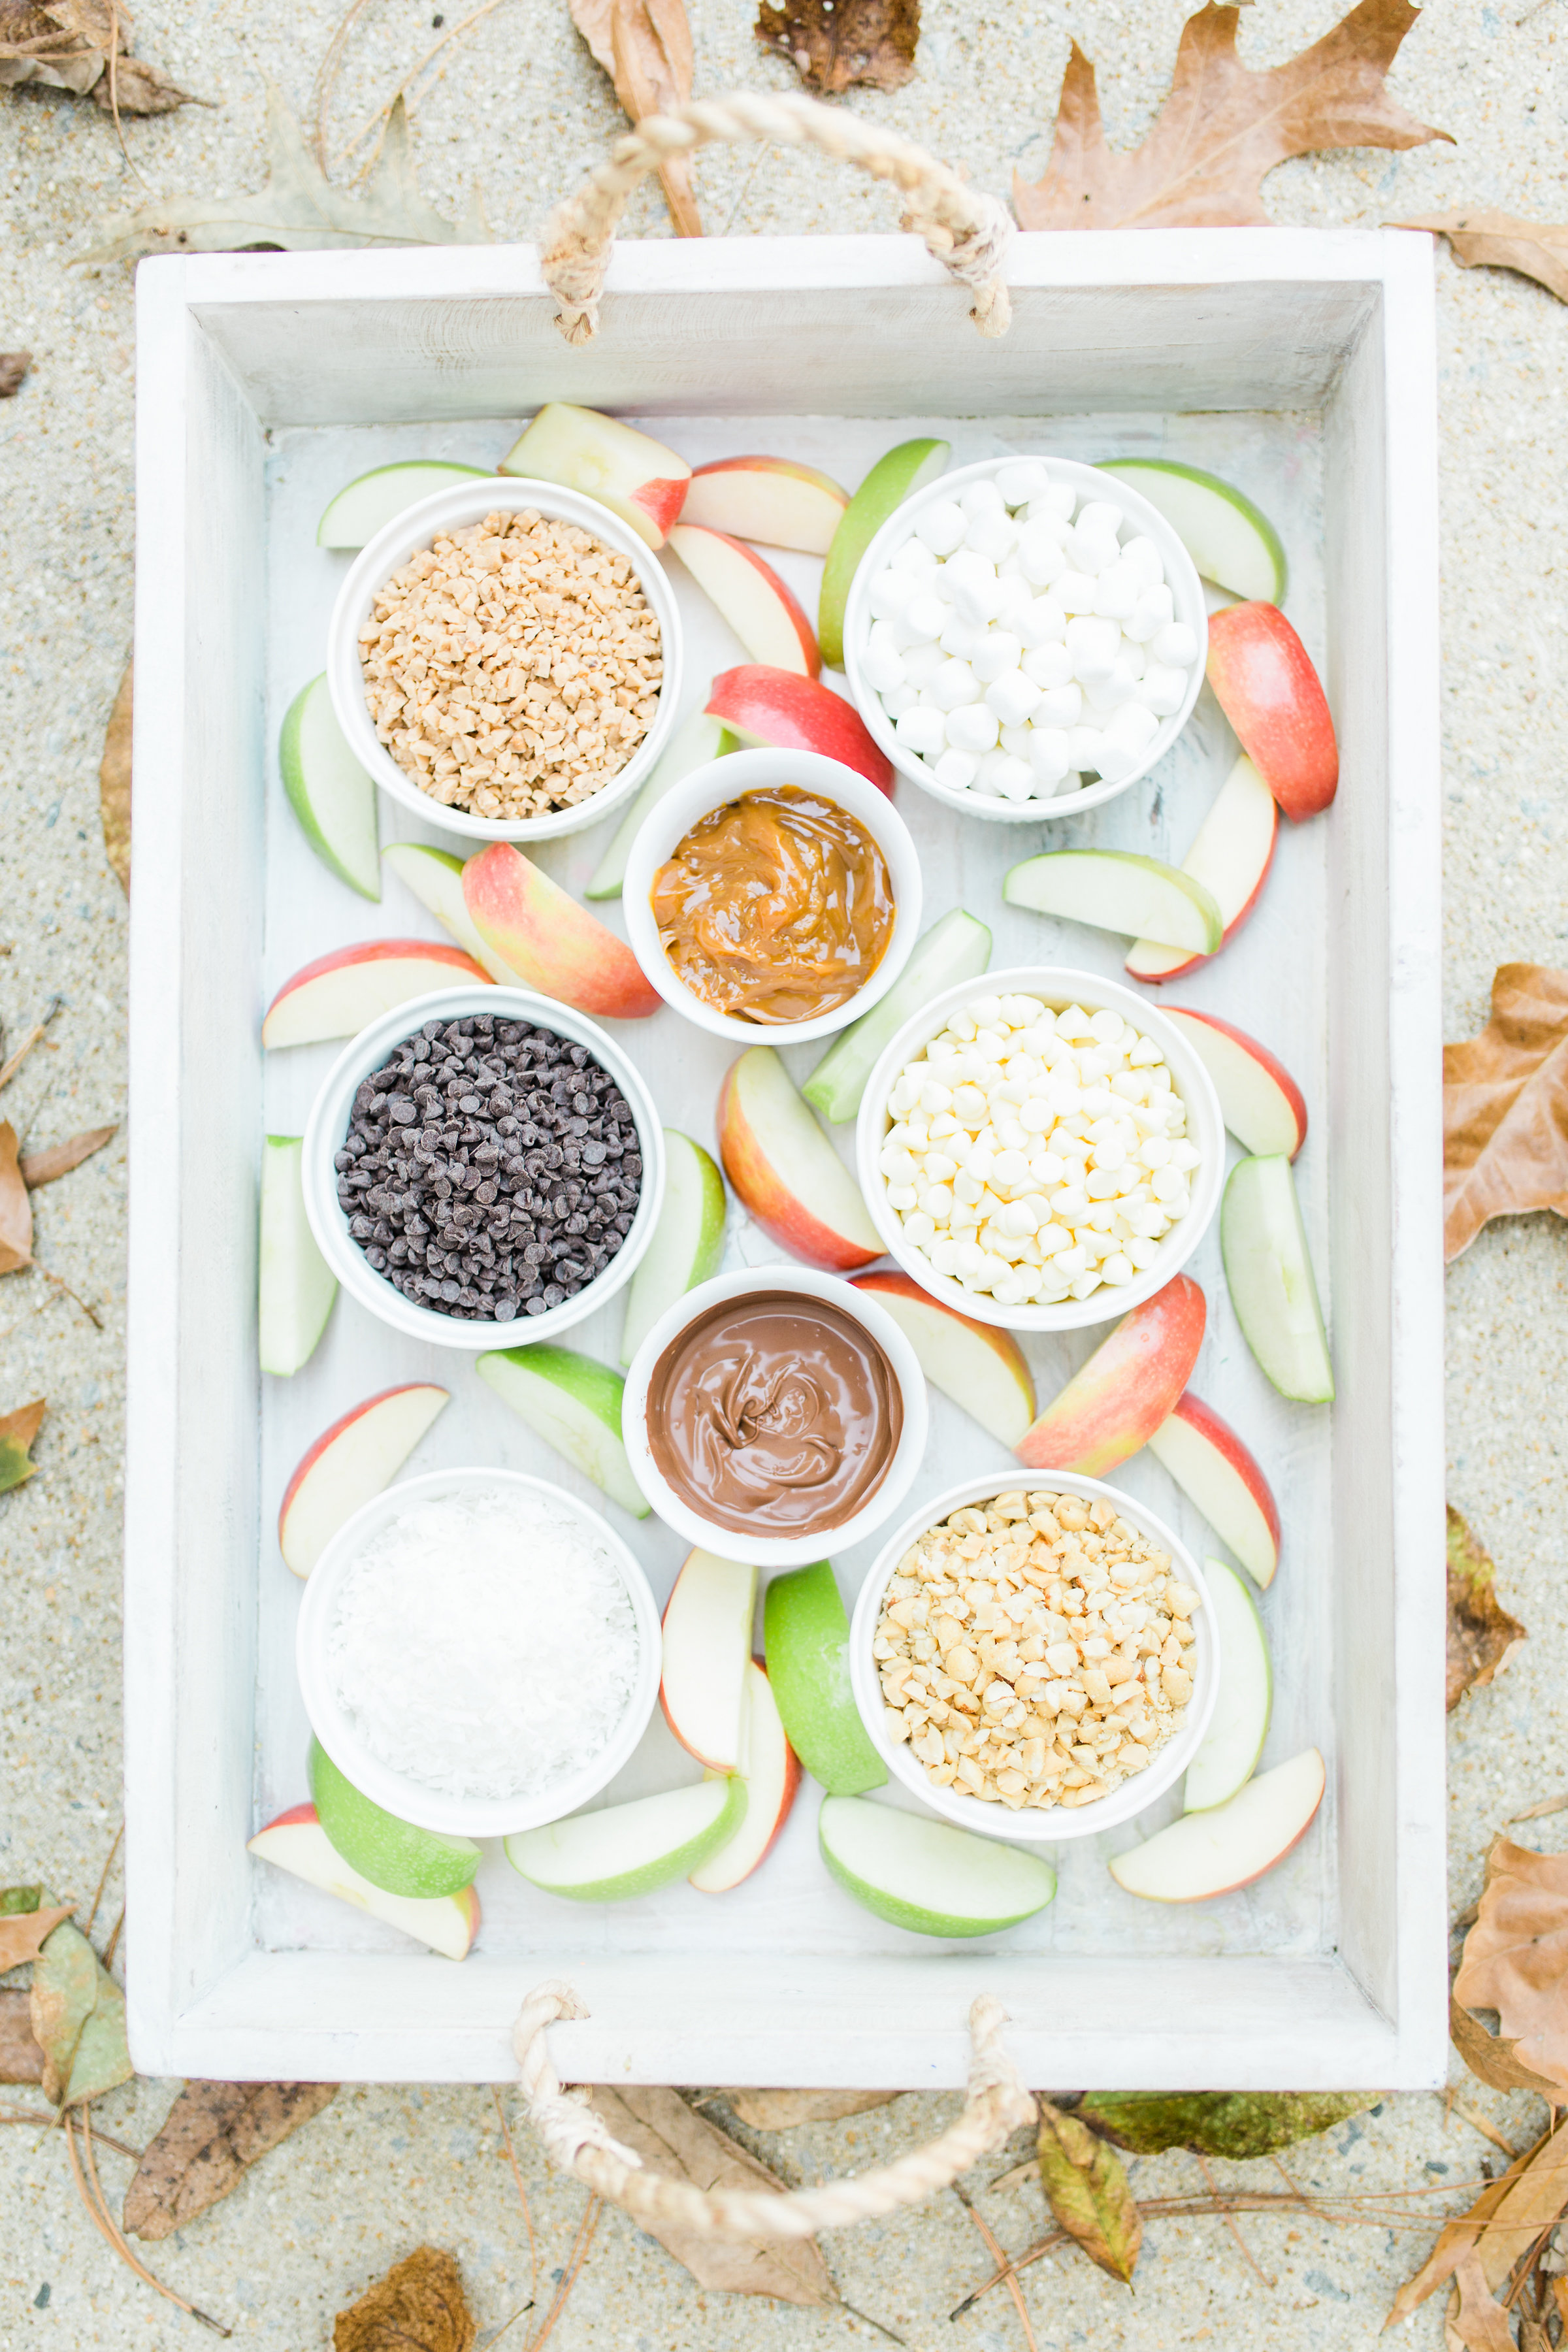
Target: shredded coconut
{"x":483,"y":1645}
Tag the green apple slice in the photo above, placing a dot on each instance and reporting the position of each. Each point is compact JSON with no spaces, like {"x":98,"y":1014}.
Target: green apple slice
{"x":396,"y":1855}
{"x":328,"y":792}
{"x":574,"y":1403}
{"x":688,"y":1240}
{"x":1269,"y":1272}
{"x":1230,"y":541}
{"x":958,"y":948}
{"x":927,"y":1877}
{"x":1233,"y":1740}
{"x":1120,"y":890}
{"x":295,"y":1286}
{"x":890,"y":481}
{"x":624,"y":1850}
{"x":695,"y":742}
{"x":366,"y":505}
{"x":806,"y":1639}
{"x":435,"y":878}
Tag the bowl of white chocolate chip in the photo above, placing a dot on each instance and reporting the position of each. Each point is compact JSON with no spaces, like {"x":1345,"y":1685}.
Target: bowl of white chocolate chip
{"x":1034,"y":1661}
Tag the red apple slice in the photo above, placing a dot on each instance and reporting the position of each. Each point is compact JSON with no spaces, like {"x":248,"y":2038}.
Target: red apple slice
{"x":1230,"y":857}
{"x":361,"y":1453}
{"x":1217,"y":1473}
{"x":1260,"y":1101}
{"x":1129,"y":1386}
{"x":771,"y":1769}
{"x":781,"y":708}
{"x":977,"y":1365}
{"x":765,"y":614}
{"x":337,"y":994}
{"x":632,"y":474}
{"x":296,"y":1842}
{"x":550,"y":941}
{"x":1263,"y":678}
{"x":707,"y":1649}
{"x":786,"y":1175}
{"x":769,"y":498}
{"x":1213,"y":1852}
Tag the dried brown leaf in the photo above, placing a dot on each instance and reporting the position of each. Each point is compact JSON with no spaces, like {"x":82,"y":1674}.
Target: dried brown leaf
{"x":45,"y":1166}
{"x":114,"y":783}
{"x":1516,"y":1955}
{"x":1491,"y":240}
{"x":834,"y":43}
{"x":64,"y":1989}
{"x":211,"y":2135}
{"x":418,"y":2306}
{"x":1222,"y":128}
{"x":1538,"y":1812}
{"x":671,"y":2139}
{"x":1505,"y":1108}
{"x":1088,"y":2192}
{"x":24,"y":1932}
{"x":1480,"y":2323}
{"x":18,"y":1431}
{"x":783,"y":2110}
{"x":1468,"y":2230}
{"x":101,"y":2061}
{"x":21,"y":2060}
{"x":81,"y":46}
{"x":645,"y":46}
{"x":1482,"y":1636}
{"x":1492,"y":2059}
{"x":14,"y":366}
{"x":16,"y":1209}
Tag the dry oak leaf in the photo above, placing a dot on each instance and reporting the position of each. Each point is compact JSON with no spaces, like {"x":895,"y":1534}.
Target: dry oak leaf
{"x":1515,"y":1959}
{"x":14,"y":366}
{"x":1498,"y":241}
{"x":21,"y":2060}
{"x":80,"y":45}
{"x":1505,"y":1108}
{"x":114,"y":783}
{"x":16,"y":1209}
{"x":1490,"y":2058}
{"x":1480,"y":2323}
{"x":1222,"y":127}
{"x":784,"y":2110}
{"x":672,"y":2140}
{"x":833,"y":42}
{"x":1504,"y":2222}
{"x":18,"y":1431}
{"x":210,"y":2135}
{"x":1087,"y":2191}
{"x":1481,"y":1635}
{"x":48,"y":1167}
{"x":645,"y":46}
{"x":22,"y":1932}
{"x":418,"y":2306}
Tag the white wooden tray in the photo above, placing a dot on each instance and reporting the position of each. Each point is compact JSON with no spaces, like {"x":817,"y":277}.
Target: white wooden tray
{"x":1301,"y":364}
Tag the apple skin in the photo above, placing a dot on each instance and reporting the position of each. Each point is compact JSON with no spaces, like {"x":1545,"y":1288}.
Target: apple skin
{"x":805,"y":1638}
{"x":724,"y":1593}
{"x":1265,"y":683}
{"x":763,"y":612}
{"x":296,"y":1842}
{"x":999,"y":1388}
{"x":1300,"y":1782}
{"x":769,"y":498}
{"x":762,"y":1134}
{"x":640,"y":1876}
{"x":756,"y":1836}
{"x":549,"y":940}
{"x":309,"y":1006}
{"x":1172,"y":1444}
{"x":629,"y":472}
{"x":392,"y":1854}
{"x":1215,"y":1042}
{"x":777,"y":707}
{"x":1129,"y":1386}
{"x":301,"y":1544}
{"x":1233,"y":866}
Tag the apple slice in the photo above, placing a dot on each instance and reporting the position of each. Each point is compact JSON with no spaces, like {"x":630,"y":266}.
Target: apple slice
{"x":295,"y":1287}
{"x":296,"y":1842}
{"x":978,"y":1365}
{"x":926,"y":1875}
{"x":765,"y":614}
{"x":1216,"y":1852}
{"x":1120,"y":890}
{"x":805,"y":1635}
{"x":772,"y":1774}
{"x":695,"y":742}
{"x":769,"y":498}
{"x":621,"y":1850}
{"x":332,"y":796}
{"x":688,"y":1240}
{"x":339,"y":994}
{"x":892,"y":480}
{"x":396,"y":1855}
{"x":356,"y":1458}
{"x":369,"y":503}
{"x":1265,"y":683}
{"x":780,"y":708}
{"x":549,"y":940}
{"x":1269,"y":1272}
{"x":636,"y":478}
{"x":786,"y":1175}
{"x":1216,"y":1473}
{"x":1239,"y":1724}
{"x":1230,"y":857}
{"x":1116,"y":1402}
{"x":1260,"y":1101}
{"x":435,"y":878}
{"x":958,"y":948}
{"x":575,"y":1404}
{"x":707,"y":1649}
{"x":1230,"y":541}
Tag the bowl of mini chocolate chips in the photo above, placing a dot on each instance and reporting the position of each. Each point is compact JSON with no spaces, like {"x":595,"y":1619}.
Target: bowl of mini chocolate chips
{"x":483,"y":1159}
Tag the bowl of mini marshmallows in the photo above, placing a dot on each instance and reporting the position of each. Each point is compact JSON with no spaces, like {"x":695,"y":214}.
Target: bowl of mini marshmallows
{"x":1026,"y":637}
{"x":504,"y":658}
{"x":1041,"y":1149}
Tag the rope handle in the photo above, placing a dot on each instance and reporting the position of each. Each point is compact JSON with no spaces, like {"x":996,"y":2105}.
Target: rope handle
{"x":963,"y":229}
{"x":995,"y":2105}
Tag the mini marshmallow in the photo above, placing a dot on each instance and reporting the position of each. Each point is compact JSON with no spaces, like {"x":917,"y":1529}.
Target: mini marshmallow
{"x":981,"y":498}
{"x":890,"y":593}
{"x":1057,"y":502}
{"x":1115,"y":761}
{"x":1017,"y":740}
{"x":922,"y":730}
{"x":1163,"y":690}
{"x":921,"y":622}
{"x":956,"y":770}
{"x":999,"y":651}
{"x":1006,"y":778}
{"x":883,"y":667}
{"x":1150,"y":615}
{"x":976,"y":591}
{"x":1175,"y":644}
{"x":1145,"y":559}
{"x":1048,"y":761}
{"x":1041,"y":623}
{"x":953,"y":685}
{"x":896,"y":699}
{"x":1116,"y":590}
{"x":1099,"y":515}
{"x":962,"y":639}
{"x":1040,"y":554}
{"x":921,"y":663}
{"x":1085,"y":746}
{"x":1017,"y":597}
{"x":1093,"y":644}
{"x":1023,"y":479}
{"x":1093,"y":551}
{"x":1049,"y":665}
{"x":1074,"y":591}
{"x":1059,"y":706}
{"x":913,"y":556}
{"x":1133,"y":727}
{"x":1013,"y":696}
{"x":993,"y":535}
{"x":972,"y":728}
{"x":941,"y":527}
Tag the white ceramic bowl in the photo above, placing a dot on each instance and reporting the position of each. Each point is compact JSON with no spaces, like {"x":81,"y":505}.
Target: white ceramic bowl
{"x":328,"y":1123}
{"x":414,"y":528}
{"x":778,"y":1552}
{"x":714,"y":787}
{"x":1028,"y":1823}
{"x":1057,"y":987}
{"x":410,"y":1799}
{"x":1088,"y":482}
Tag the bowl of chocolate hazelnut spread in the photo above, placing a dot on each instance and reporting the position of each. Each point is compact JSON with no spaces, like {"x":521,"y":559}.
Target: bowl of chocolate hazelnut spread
{"x":772,"y":895}
{"x":771,"y":1413}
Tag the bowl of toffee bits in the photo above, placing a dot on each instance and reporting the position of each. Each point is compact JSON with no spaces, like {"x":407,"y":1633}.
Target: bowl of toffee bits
{"x":483,"y":1159}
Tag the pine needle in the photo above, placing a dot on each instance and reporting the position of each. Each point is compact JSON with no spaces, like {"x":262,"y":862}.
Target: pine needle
{"x":1486,"y":2130}
{"x":523,"y":2199}
{"x":321,"y":96}
{"x":104,"y":1879}
{"x":97,"y":2213}
{"x":579,"y":2256}
{"x":404,"y":91}
{"x":113,"y":1944}
{"x":1233,"y":2226}
{"x":8,"y":1069}
{"x":48,"y":2123}
{"x":1000,"y":2259}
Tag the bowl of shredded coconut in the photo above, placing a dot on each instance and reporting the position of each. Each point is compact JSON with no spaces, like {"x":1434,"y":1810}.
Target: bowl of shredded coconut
{"x":479,"y":1652}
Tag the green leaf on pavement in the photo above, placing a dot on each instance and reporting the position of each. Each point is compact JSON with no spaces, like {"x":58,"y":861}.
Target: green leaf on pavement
{"x":1237,"y":2124}
{"x":64,"y":1995}
{"x":102,"y":2059}
{"x":1089,"y":2193}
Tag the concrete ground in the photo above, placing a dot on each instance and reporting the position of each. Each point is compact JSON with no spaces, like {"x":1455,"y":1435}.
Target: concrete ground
{"x":519,"y":110}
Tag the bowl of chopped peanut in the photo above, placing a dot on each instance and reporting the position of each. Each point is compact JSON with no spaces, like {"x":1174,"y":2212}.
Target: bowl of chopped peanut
{"x":1035,"y":1662}
{"x":504,"y":657}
